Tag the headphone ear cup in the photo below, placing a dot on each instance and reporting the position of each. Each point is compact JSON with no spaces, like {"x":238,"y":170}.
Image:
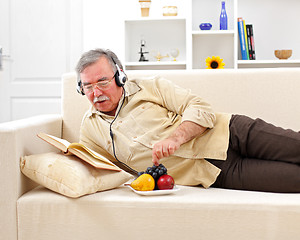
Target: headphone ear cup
{"x":117,"y":79}
{"x":120,"y":77}
{"x":79,"y":88}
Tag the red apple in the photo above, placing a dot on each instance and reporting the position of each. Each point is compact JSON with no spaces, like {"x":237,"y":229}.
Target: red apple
{"x":165,"y":182}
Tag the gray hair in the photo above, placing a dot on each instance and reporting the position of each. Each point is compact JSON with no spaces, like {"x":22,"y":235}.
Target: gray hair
{"x":92,"y":56}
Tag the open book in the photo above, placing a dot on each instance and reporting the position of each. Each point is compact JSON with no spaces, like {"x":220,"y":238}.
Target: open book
{"x":81,"y":151}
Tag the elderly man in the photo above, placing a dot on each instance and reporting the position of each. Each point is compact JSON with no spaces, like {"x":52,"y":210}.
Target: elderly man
{"x":142,"y":120}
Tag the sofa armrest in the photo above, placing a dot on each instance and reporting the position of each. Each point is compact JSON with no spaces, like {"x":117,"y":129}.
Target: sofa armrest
{"x":18,"y":138}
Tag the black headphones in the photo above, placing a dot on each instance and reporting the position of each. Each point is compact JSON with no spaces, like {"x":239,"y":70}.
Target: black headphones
{"x":120,"y":78}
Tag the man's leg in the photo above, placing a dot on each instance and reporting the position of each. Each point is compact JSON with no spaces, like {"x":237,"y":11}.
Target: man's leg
{"x":257,"y":174}
{"x":260,"y":157}
{"x":260,"y":140}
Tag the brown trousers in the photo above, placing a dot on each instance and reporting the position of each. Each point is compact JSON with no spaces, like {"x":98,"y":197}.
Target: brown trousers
{"x":260,"y":157}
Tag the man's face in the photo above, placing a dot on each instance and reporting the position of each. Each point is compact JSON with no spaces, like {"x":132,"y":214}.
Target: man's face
{"x":104,"y":99}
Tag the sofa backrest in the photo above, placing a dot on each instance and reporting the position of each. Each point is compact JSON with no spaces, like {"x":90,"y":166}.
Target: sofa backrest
{"x":271,"y":94}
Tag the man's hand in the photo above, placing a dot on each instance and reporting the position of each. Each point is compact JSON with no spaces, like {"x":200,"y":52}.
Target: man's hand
{"x":185,"y":132}
{"x":164,"y":148}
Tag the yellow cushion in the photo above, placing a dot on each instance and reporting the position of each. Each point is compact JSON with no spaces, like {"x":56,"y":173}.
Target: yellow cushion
{"x":68,"y":175}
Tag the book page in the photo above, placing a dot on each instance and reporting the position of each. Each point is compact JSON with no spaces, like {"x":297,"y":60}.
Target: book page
{"x":97,"y":163}
{"x":81,"y":151}
{"x":59,"y":143}
{"x":90,"y":151}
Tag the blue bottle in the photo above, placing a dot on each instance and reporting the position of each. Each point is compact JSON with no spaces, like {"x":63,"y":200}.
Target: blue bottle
{"x":223,"y":18}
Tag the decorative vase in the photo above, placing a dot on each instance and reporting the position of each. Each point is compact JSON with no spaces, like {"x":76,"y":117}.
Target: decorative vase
{"x":223,"y":18}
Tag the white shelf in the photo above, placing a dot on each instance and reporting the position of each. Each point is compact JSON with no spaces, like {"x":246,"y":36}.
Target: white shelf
{"x":213,"y":32}
{"x":156,"y":63}
{"x":146,"y":19}
{"x":268,"y":63}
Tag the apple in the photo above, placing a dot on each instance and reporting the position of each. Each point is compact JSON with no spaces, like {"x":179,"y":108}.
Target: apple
{"x":165,"y":182}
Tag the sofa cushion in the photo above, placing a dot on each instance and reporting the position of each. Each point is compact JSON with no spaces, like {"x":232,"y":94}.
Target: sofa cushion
{"x":192,"y":213}
{"x":68,"y":175}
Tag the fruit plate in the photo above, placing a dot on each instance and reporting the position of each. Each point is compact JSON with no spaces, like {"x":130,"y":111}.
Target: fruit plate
{"x":155,"y":192}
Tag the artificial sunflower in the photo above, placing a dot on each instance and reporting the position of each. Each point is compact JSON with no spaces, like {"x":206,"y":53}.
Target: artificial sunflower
{"x":214,"y":63}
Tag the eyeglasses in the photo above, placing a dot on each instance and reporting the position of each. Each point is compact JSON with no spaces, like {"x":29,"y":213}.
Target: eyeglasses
{"x":101,"y":84}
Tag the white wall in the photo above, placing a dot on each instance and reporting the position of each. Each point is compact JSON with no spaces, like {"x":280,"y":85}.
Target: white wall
{"x":103,"y":23}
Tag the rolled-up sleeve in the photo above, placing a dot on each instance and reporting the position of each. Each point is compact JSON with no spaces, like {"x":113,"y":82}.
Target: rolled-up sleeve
{"x":181,"y":101}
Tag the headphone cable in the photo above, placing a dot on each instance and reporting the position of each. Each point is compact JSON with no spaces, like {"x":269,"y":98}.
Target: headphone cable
{"x":112,"y":135}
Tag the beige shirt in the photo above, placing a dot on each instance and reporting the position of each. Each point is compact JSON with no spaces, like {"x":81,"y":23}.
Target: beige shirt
{"x":152,"y":110}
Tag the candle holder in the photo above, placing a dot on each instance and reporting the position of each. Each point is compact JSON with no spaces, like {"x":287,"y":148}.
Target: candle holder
{"x":142,"y":51}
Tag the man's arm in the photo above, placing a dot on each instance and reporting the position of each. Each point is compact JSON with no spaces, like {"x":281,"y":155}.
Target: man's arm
{"x":185,"y":132}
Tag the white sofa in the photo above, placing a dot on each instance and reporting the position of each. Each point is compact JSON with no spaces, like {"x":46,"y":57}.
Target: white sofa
{"x":32,"y":212}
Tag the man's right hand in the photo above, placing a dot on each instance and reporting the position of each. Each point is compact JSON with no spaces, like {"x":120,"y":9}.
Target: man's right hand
{"x":185,"y":132}
{"x":164,"y":148}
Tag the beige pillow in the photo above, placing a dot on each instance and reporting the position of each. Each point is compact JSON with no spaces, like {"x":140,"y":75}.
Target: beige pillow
{"x":68,"y":175}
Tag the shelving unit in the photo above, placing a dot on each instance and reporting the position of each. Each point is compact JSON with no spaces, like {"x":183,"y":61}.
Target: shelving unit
{"x":211,"y":43}
{"x":161,"y":35}
{"x":182,"y":32}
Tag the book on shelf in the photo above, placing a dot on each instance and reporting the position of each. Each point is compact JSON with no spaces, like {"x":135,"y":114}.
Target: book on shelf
{"x":249,"y":42}
{"x":251,"y":39}
{"x":242,"y":39}
{"x":84,"y":153}
{"x":246,"y":40}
